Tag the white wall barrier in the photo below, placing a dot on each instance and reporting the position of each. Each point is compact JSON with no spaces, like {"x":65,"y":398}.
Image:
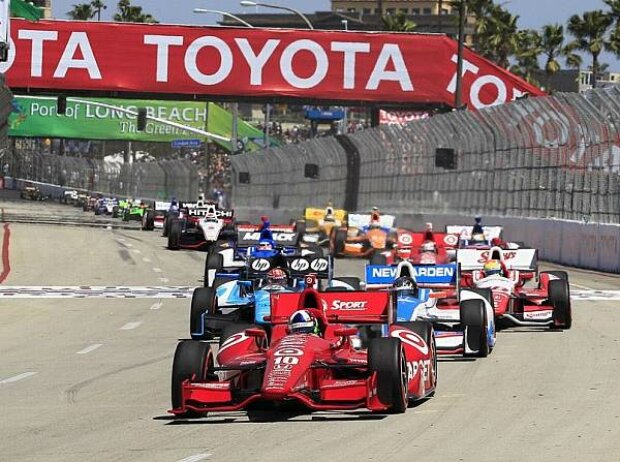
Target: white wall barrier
{"x":583,"y":245}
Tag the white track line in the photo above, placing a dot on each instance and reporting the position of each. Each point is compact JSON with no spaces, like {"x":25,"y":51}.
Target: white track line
{"x":156,"y":306}
{"x":17,"y":378}
{"x":90,"y":348}
{"x":196,"y":458}
{"x":131,"y":325}
{"x":128,"y":245}
{"x":136,"y":250}
{"x":580,"y":286}
{"x":164,"y":280}
{"x":146,"y":260}
{"x":157,"y":270}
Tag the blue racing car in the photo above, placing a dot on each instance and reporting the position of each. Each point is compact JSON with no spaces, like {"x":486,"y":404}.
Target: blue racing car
{"x":463,"y":319}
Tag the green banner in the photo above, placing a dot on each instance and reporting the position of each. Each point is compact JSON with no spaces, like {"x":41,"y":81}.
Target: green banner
{"x":37,"y":117}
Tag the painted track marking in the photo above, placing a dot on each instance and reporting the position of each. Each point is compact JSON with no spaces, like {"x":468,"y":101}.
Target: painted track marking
{"x":157,"y":270}
{"x":579,"y":286}
{"x":131,"y":325}
{"x":164,"y":280}
{"x":196,"y":458}
{"x":17,"y":378}
{"x":89,"y":348}
{"x":156,"y":306}
{"x":146,"y":260}
{"x":6,"y":264}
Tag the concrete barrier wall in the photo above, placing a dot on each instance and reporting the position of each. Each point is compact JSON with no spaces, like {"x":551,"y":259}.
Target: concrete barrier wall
{"x":583,"y":245}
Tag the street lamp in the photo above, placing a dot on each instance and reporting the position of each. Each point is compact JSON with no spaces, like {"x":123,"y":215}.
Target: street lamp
{"x":278,"y":7}
{"x":223,"y":13}
{"x":459,"y":64}
{"x":345,"y":24}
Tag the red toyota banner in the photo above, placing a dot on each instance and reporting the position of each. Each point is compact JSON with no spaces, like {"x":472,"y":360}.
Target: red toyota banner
{"x":403,"y":69}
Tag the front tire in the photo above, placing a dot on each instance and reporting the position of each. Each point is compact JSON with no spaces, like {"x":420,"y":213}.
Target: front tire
{"x":192,"y":361}
{"x":214,"y":262}
{"x":203,"y":301}
{"x":473,"y":320}
{"x":387,"y":358}
{"x":148,"y":220}
{"x":174,"y":235}
{"x":338,"y":242}
{"x":559,"y":296}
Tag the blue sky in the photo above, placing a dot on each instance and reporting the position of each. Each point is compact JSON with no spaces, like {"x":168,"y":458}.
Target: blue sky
{"x":532,"y":13}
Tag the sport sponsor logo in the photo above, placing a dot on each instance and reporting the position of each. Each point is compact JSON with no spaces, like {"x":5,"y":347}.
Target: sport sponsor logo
{"x":413,"y":367}
{"x":537,"y":315}
{"x":280,"y":237}
{"x":285,"y":357}
{"x":232,"y":340}
{"x":506,"y":255}
{"x":300,"y":264}
{"x":428,"y":271}
{"x":450,"y":239}
{"x":260,"y":264}
{"x":405,"y":239}
{"x":320,"y":264}
{"x":348,"y":306}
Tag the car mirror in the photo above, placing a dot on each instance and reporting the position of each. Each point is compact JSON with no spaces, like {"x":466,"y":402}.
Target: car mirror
{"x":255,"y":332}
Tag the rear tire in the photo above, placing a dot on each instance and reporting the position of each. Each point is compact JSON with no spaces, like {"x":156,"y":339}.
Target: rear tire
{"x":214,"y":261}
{"x":473,"y":320}
{"x":300,"y":227}
{"x":338,"y":242}
{"x":192,"y":360}
{"x":559,"y":296}
{"x":148,"y":220}
{"x":203,"y":301}
{"x":115,"y":212}
{"x":387,"y":358}
{"x":174,"y":235}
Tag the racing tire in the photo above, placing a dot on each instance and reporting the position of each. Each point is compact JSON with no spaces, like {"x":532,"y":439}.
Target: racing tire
{"x":214,"y":261}
{"x":148,"y":221}
{"x":166,"y":229}
{"x":203,"y":301}
{"x":425,"y":330}
{"x":474,"y":322}
{"x":97,"y":211}
{"x":386,"y":357}
{"x":559,"y":296}
{"x":174,"y":235}
{"x":233,"y":329}
{"x":300,"y":227}
{"x":192,"y":360}
{"x":378,"y":259}
{"x":338,"y":242}
{"x":115,"y":212}
{"x":84,"y":208}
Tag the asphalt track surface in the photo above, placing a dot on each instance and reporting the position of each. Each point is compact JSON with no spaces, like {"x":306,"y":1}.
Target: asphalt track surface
{"x":89,"y":379}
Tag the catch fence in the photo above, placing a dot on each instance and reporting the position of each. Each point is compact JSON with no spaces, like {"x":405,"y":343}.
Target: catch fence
{"x":556,"y":156}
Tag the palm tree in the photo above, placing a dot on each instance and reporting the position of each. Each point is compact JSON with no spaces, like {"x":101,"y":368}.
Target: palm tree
{"x":81,"y":12}
{"x":97,"y":7}
{"x":529,"y":46}
{"x":589,"y":31}
{"x":129,"y":13}
{"x":614,"y":39}
{"x":498,"y":39}
{"x":397,"y":23}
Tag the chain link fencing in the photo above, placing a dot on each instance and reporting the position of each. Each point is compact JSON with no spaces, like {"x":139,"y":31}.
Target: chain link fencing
{"x":555,"y":156}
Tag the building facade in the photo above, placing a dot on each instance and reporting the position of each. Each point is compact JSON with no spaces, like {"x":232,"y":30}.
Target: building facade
{"x":408,"y":7}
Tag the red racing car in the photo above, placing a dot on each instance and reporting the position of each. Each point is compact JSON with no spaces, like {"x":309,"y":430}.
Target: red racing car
{"x":419,"y":248}
{"x":319,"y":371}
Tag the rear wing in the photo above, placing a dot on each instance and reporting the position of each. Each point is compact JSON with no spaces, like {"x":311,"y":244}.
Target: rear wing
{"x":464,"y":231}
{"x":248,"y":236}
{"x":406,"y":238}
{"x":358,"y":220}
{"x":517,"y":259}
{"x":430,"y":276}
{"x":209,"y":210}
{"x":161,"y":206}
{"x":337,"y":307}
{"x":317,"y":214}
{"x":297,"y":266}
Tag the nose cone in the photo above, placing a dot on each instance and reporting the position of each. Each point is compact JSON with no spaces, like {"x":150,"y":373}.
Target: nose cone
{"x":288,"y":365}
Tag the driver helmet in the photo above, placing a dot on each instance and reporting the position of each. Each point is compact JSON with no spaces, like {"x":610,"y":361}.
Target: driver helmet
{"x":303,"y":322}
{"x":405,"y":285}
{"x":492,"y":267}
{"x":277,"y":276}
{"x":429,"y":247}
{"x":329,"y":215}
{"x":265,"y":244}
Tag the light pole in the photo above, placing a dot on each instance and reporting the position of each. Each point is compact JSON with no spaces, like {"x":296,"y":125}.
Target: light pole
{"x":278,"y":7}
{"x":223,"y":13}
{"x":459,"y":63}
{"x":345,"y":24}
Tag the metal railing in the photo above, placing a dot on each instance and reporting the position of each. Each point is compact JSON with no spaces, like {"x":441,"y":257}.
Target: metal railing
{"x":553,"y":156}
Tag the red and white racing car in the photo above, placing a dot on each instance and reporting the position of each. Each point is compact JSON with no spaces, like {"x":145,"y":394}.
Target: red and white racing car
{"x":320,"y":372}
